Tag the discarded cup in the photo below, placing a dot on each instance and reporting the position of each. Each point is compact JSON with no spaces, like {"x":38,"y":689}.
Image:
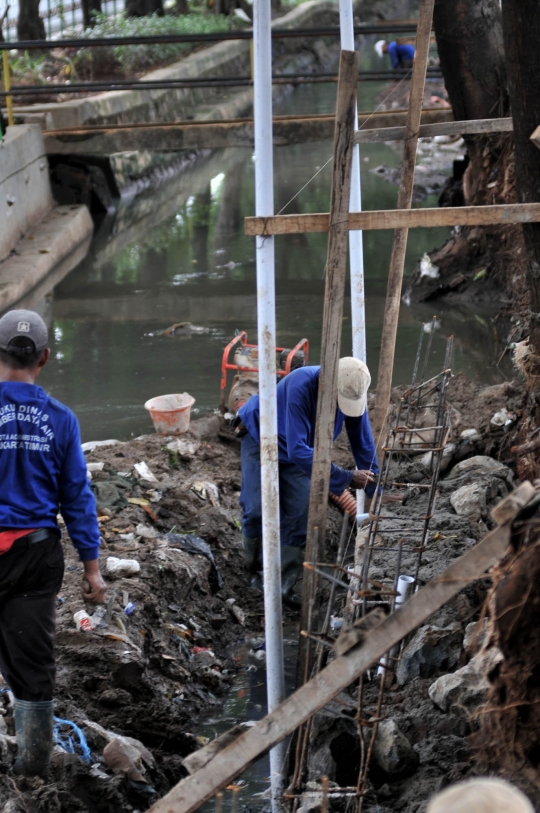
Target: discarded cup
{"x":83,"y":621}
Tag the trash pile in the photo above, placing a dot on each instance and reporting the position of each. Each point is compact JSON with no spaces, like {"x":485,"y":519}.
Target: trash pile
{"x":136,"y":676}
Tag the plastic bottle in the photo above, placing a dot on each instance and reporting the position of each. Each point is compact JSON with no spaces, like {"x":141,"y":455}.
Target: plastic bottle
{"x":83,"y":621}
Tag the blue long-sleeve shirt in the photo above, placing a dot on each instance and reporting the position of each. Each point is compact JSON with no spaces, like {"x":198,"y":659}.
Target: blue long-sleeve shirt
{"x":398,"y":53}
{"x":296,"y":412}
{"x":42,"y":467}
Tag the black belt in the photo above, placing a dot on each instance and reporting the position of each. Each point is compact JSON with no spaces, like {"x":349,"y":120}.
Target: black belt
{"x":39,"y":536}
{"x":35,"y":537}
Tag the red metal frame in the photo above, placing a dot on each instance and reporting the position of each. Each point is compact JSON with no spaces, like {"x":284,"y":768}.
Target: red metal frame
{"x":303,"y":344}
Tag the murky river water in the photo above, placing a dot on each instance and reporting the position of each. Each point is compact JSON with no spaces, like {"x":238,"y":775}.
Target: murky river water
{"x":178,"y":253}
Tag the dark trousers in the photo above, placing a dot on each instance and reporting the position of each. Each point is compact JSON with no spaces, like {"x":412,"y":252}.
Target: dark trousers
{"x":294,"y":488}
{"x":30,"y":578}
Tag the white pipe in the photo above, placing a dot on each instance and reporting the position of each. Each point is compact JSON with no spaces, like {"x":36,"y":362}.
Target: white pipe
{"x":266,"y":321}
{"x":403,"y":588}
{"x":356,"y":248}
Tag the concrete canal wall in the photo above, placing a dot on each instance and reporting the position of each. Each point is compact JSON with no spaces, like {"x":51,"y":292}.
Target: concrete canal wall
{"x":37,"y":237}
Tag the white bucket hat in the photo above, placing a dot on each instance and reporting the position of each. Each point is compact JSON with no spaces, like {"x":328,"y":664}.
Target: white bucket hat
{"x":379,"y":47}
{"x":480,"y":796}
{"x":353,"y":383}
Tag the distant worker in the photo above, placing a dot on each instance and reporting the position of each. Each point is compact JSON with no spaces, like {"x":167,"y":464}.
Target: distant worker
{"x":42,"y":472}
{"x":296,"y":410}
{"x":480,"y":796}
{"x":401,"y":56}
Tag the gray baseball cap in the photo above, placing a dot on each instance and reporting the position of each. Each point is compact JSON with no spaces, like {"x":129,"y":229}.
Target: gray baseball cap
{"x":22,"y":324}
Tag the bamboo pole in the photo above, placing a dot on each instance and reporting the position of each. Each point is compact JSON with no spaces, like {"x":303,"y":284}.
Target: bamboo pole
{"x":331,"y":336}
{"x":399,"y":245}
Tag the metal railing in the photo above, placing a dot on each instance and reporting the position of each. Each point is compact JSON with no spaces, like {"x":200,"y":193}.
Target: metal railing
{"x":58,"y":17}
{"x":277,"y":33}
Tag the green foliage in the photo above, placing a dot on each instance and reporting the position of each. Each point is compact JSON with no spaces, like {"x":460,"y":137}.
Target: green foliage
{"x":130,"y":58}
{"x":28,"y":67}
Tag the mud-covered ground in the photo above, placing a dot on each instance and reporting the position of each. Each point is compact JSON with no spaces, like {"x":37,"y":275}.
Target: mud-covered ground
{"x":154,"y":672}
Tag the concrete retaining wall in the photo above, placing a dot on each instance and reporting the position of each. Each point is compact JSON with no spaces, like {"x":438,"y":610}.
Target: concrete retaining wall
{"x":25,"y":191}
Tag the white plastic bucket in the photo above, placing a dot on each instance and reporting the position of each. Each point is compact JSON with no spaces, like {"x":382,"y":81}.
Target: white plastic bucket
{"x":170,"y":413}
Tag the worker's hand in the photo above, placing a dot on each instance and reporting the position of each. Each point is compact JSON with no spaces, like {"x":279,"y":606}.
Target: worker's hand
{"x":94,"y":588}
{"x":361,"y":478}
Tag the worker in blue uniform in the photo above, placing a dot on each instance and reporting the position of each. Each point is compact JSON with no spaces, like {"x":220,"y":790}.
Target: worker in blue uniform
{"x":296,"y":410}
{"x":401,"y":56}
{"x":42,"y":473}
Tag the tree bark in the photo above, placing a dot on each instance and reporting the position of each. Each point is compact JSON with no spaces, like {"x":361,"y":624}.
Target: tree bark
{"x":521,"y":25}
{"x":30,"y":25}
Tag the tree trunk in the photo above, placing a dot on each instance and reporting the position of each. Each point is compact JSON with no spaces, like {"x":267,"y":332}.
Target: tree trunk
{"x":181,"y":7}
{"x":521,"y":25}
{"x":141,"y":8}
{"x":89,"y":9}
{"x":470,"y":44}
{"x":30,"y":25}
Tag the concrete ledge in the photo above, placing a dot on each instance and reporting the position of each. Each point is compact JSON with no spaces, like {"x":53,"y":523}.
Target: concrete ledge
{"x":55,"y":246}
{"x":25,"y":192}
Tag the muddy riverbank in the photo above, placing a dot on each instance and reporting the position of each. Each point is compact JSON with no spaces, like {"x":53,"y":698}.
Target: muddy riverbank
{"x":169,"y":651}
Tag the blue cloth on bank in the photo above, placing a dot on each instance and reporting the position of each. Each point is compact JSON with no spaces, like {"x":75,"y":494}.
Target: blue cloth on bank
{"x":294,"y":488}
{"x":296,"y":412}
{"x":42,"y":467}
{"x":399,"y":54}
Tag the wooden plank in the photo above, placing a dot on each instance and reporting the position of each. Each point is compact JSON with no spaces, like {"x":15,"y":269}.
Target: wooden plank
{"x":474,"y":127}
{"x":496,"y":215}
{"x":186,"y":135}
{"x":198,"y":788}
{"x":336,"y":269}
{"x":399,"y":242}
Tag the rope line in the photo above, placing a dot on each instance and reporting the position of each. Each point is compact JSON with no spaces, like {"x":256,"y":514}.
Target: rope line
{"x":407,"y":75}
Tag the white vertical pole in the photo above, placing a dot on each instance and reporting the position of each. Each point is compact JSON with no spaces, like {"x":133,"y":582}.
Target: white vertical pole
{"x":356,"y":249}
{"x":266,"y":320}
{"x":356,"y":246}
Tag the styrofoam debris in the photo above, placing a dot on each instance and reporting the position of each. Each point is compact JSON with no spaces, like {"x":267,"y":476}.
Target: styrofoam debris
{"x":121,"y":567}
{"x":144,"y":472}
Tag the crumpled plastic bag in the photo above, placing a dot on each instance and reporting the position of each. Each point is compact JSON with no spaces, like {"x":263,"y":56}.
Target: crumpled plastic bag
{"x":124,"y":756}
{"x":194,"y":544}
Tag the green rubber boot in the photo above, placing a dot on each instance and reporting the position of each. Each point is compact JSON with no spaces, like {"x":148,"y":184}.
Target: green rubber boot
{"x":253,"y":560}
{"x":34,"y":730}
{"x":292,"y":564}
